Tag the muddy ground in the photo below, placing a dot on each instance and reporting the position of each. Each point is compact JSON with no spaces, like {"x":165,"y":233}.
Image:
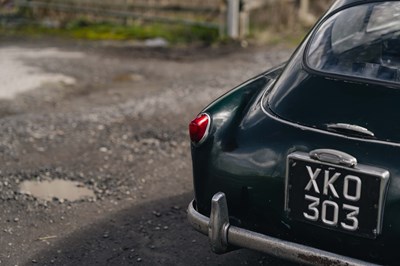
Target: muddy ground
{"x":114,"y":118}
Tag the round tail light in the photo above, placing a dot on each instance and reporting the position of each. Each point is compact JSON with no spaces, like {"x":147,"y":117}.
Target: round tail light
{"x":198,"y":128}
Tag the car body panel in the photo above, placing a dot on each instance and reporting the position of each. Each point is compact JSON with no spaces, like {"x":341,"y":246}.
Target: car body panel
{"x":246,"y":153}
{"x":247,"y":162}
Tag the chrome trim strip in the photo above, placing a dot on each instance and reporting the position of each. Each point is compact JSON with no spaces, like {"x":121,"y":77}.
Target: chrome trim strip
{"x":240,"y":237}
{"x":306,"y":128}
{"x":286,"y":201}
{"x":352,"y":128}
{"x":198,"y":221}
{"x":334,"y":157}
{"x":207,"y":129}
{"x":219,"y":224}
{"x":382,"y":198}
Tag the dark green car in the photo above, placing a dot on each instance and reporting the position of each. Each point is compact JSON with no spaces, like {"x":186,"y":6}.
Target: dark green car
{"x":303,"y":161}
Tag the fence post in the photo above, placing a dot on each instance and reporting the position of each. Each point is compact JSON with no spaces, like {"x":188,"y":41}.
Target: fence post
{"x":304,"y":6}
{"x":222,"y":18}
{"x":233,"y":18}
{"x":244,"y":22}
{"x":305,"y":16}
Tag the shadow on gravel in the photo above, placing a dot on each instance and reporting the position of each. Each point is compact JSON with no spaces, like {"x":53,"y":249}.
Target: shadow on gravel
{"x":155,"y":233}
{"x":186,"y":54}
{"x":127,"y":50}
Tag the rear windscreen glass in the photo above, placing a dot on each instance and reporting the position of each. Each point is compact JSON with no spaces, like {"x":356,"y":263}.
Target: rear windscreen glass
{"x":361,"y":41}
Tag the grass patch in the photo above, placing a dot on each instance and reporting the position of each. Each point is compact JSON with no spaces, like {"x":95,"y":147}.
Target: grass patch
{"x":290,"y":38}
{"x":81,"y":29}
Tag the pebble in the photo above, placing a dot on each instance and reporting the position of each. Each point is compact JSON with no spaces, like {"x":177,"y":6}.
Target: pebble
{"x":98,"y":126}
{"x":157,"y":214}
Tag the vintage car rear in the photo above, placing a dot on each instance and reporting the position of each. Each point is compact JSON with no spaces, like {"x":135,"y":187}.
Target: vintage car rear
{"x":307,"y":154}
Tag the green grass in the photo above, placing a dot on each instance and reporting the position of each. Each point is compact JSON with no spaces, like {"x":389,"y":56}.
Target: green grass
{"x":290,"y":38}
{"x":81,"y":29}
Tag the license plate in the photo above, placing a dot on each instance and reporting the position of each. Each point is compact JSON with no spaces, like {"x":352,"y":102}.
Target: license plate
{"x":349,"y":200}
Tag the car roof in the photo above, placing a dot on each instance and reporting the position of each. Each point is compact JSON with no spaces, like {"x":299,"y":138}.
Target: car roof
{"x":341,"y":3}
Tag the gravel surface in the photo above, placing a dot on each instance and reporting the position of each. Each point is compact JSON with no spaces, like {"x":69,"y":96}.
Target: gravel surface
{"x":113,"y":118}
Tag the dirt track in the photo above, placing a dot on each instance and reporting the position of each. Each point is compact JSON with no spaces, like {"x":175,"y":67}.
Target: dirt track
{"x":113,"y":118}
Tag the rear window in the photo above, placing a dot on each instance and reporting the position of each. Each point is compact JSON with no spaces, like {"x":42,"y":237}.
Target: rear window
{"x":361,"y":41}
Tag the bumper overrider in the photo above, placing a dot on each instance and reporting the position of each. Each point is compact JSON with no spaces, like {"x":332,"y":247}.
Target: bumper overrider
{"x":222,"y":236}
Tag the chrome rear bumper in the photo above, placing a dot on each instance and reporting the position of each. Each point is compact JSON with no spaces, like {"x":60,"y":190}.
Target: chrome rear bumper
{"x":222,"y":235}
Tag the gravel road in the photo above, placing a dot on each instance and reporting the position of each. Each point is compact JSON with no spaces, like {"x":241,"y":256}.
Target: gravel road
{"x":113,"y":119}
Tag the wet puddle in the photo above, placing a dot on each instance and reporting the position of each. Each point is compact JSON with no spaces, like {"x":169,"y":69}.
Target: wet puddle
{"x":18,"y":76}
{"x":60,"y":189}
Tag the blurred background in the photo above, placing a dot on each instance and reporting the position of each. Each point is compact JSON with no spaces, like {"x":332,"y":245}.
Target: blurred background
{"x":176,"y":21}
{"x":95,"y":101}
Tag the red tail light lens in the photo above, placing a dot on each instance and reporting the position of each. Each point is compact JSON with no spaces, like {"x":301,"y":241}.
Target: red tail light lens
{"x":198,"y":128}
